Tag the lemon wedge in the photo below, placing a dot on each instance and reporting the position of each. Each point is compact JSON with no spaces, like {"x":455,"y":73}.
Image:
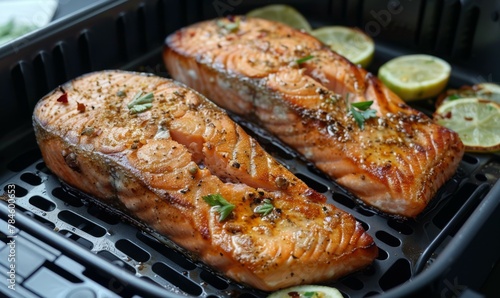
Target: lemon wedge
{"x":281,"y":13}
{"x":351,"y":43}
{"x":309,"y":291}
{"x":476,"y":120}
{"x":415,"y":76}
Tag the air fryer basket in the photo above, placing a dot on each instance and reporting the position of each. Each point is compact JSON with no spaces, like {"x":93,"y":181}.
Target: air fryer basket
{"x":68,"y":244}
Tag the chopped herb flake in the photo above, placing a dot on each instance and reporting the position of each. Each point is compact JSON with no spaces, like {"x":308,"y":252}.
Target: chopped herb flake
{"x":220,"y":205}
{"x":229,"y":24}
{"x":265,"y":208}
{"x":453,"y":97}
{"x":121,"y":93}
{"x":304,"y":59}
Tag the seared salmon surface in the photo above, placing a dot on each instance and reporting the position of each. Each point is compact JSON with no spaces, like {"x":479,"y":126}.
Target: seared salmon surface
{"x":395,"y":158}
{"x":165,"y":155}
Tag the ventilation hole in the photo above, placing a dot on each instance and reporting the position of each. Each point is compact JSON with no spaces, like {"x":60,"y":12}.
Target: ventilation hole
{"x":172,"y":255}
{"x":369,"y":271}
{"x":365,"y":211}
{"x":16,"y":190}
{"x":59,"y":64}
{"x":84,"y":51}
{"x":81,"y":223}
{"x":148,"y":279}
{"x":42,"y":167}
{"x":24,"y":160}
{"x":31,"y":178}
{"x":110,"y":282}
{"x":115,"y":260}
{"x":481,"y":177}
{"x":319,"y":187}
{"x":344,"y":200}
{"x":177,"y":279}
{"x":213,"y":280}
{"x":79,"y":240}
{"x":397,"y":274}
{"x":42,"y":203}
{"x":66,"y":197}
{"x":447,"y":27}
{"x":122,"y":37}
{"x":41,"y":81}
{"x":388,"y":238}
{"x":382,"y":254}
{"x":365,"y":226}
{"x":352,"y":283}
{"x":62,"y":272}
{"x":446,"y":214}
{"x":106,"y":216}
{"x":19,"y":84}
{"x":470,"y":159}
{"x":465,"y":35}
{"x":495,"y":16}
{"x":141,"y":25}
{"x":161,"y":20}
{"x":401,"y":227}
{"x":132,"y":250}
{"x":36,"y":217}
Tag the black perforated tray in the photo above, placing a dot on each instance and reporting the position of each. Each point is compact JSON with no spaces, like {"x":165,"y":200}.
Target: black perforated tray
{"x":80,"y":246}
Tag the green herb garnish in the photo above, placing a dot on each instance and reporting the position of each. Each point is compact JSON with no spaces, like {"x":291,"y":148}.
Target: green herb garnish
{"x":361,"y":111}
{"x":220,"y":205}
{"x":265,"y":208}
{"x":453,"y":97}
{"x":229,"y":25}
{"x":304,"y":59}
{"x":141,"y":103}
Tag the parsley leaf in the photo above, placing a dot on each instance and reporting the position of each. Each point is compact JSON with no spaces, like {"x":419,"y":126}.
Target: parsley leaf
{"x":220,"y":205}
{"x":265,"y":208}
{"x":361,"y":111}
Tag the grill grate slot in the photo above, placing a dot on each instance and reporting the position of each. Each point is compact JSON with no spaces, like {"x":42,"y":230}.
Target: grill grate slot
{"x":177,"y":279}
{"x":81,"y":223}
{"x":84,"y":51}
{"x":132,"y":250}
{"x":81,"y":241}
{"x":42,"y":203}
{"x":397,"y":274}
{"x":59,"y":193}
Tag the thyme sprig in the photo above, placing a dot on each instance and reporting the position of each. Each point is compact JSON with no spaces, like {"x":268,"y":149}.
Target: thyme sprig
{"x":220,"y":205}
{"x":140,"y":102}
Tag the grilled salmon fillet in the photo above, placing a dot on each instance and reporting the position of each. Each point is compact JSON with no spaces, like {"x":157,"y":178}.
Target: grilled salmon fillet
{"x":298,"y":89}
{"x":163,"y":158}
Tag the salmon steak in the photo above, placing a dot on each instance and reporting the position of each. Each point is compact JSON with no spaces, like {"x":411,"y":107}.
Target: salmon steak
{"x":337,"y":115}
{"x":173,"y":160}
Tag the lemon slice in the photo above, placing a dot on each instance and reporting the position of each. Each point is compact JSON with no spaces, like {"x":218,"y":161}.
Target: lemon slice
{"x":281,"y":13}
{"x":351,"y":43}
{"x":477,"y":122}
{"x":309,"y":291}
{"x":415,"y":76}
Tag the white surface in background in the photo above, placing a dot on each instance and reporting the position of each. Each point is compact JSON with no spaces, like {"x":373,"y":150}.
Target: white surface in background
{"x":18,"y":17}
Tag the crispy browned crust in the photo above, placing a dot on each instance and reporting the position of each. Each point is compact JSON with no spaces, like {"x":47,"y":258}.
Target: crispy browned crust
{"x":396,"y":162}
{"x":159,"y":164}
